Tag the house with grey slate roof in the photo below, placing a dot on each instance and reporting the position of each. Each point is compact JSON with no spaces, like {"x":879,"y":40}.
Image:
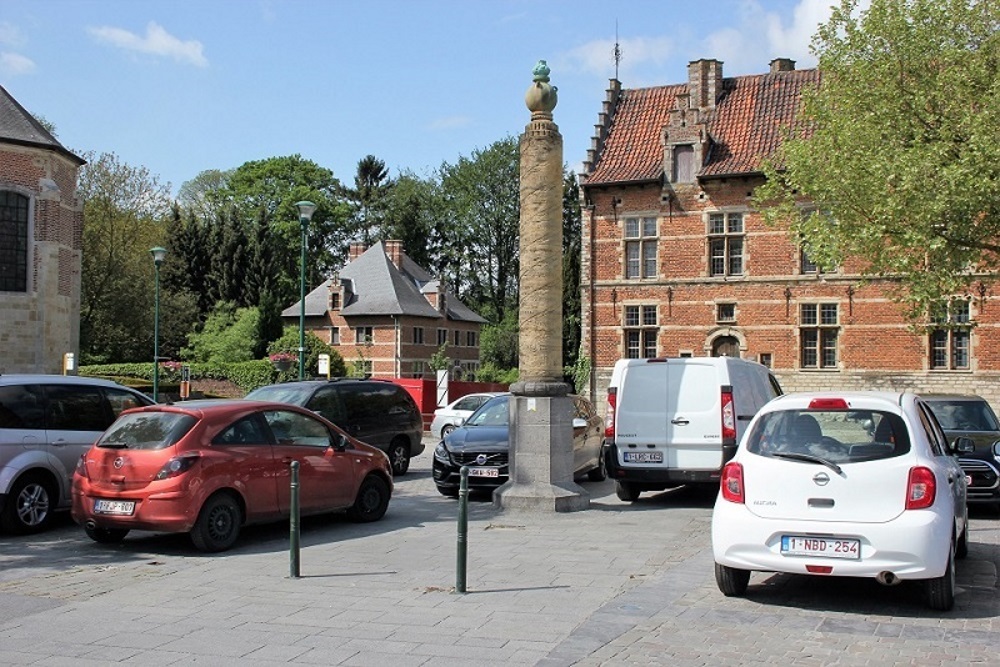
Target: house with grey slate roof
{"x":388,"y":315}
{"x":41,"y":237}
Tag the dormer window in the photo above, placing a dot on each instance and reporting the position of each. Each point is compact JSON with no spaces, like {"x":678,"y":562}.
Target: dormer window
{"x":683,"y":162}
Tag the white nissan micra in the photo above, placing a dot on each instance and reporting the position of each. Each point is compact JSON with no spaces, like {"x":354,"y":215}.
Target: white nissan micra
{"x":851,"y":484}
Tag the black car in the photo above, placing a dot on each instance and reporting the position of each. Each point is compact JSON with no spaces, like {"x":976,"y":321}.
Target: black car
{"x":482,"y":443}
{"x":972,"y":417}
{"x":377,"y":412}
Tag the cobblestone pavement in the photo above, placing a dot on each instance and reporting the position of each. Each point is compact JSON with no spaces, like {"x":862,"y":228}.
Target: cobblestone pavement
{"x":619,"y":584}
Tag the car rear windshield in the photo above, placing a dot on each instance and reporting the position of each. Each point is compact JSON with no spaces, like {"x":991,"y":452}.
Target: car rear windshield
{"x":964,"y":415}
{"x":292,"y":394}
{"x":838,"y":436}
{"x":147,"y":430}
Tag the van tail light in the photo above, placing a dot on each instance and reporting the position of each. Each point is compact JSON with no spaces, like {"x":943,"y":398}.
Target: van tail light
{"x":732,"y":483}
{"x":921,"y":488}
{"x":728,"y":416}
{"x":609,"y":414}
{"x":176,"y":466}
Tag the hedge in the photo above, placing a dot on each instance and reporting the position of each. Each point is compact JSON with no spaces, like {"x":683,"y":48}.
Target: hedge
{"x":247,"y":375}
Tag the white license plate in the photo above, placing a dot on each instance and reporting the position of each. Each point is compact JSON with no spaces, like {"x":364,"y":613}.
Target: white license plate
{"x":484,"y":472}
{"x":827,"y":547}
{"x":123,"y":507}
{"x":643,"y":457}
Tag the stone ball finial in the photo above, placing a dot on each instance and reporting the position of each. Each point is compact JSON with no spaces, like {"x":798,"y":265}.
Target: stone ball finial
{"x":541,"y":97}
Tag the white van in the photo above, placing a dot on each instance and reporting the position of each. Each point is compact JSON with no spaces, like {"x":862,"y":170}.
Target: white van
{"x":677,"y":421}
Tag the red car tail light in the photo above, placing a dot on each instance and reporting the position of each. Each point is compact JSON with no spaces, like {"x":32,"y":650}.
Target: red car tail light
{"x":728,"y":416}
{"x":732,"y":483}
{"x":828,"y":404}
{"x":176,"y":466}
{"x":921,"y":488}
{"x":609,"y":418}
{"x":81,"y":467}
{"x":819,"y":569}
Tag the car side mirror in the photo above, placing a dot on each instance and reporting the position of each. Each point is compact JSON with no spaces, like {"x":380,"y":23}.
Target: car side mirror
{"x":964,"y":445}
{"x":340,"y":441}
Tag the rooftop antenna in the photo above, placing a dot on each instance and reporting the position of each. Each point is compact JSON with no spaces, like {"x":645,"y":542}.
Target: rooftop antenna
{"x":618,"y":50}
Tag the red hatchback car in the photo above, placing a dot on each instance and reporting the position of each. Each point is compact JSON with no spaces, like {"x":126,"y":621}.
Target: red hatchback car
{"x":209,"y":467}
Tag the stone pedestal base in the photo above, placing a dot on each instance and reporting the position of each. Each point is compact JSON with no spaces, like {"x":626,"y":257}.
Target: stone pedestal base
{"x":541,"y":457}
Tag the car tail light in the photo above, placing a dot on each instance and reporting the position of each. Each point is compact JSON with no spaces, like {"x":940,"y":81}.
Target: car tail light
{"x":609,"y":417}
{"x":176,"y":466}
{"x":732,"y":483}
{"x":819,"y":569}
{"x":828,"y":404}
{"x":728,"y":416}
{"x":921,"y":488}
{"x":81,"y":467}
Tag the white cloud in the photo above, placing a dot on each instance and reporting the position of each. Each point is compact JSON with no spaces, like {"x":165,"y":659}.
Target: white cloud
{"x":14,"y":64}
{"x":157,"y":41}
{"x":760,"y":35}
{"x":449,"y":123}
{"x":11,"y":35}
{"x":597,"y":57}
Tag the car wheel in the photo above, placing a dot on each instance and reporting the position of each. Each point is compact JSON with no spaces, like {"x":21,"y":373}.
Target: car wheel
{"x":106,"y":535}
{"x":446,"y":429}
{"x":962,"y":548}
{"x":218,"y":524}
{"x":941,"y":591}
{"x":372,"y":500}
{"x":29,"y":505}
{"x":732,"y":582}
{"x":600,"y":473}
{"x":399,"y":456}
{"x":626,"y":491}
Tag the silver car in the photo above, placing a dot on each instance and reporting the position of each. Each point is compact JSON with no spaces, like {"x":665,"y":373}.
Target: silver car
{"x":46,"y":423}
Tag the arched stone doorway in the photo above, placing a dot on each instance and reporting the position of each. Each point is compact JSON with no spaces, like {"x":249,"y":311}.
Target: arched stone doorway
{"x":726,"y":346}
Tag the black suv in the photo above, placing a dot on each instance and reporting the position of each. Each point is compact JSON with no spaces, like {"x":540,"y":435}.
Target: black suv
{"x":972,"y":417}
{"x":377,"y":412}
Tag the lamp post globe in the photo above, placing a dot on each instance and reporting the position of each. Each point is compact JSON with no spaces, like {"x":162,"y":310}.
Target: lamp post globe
{"x":158,"y":255}
{"x":306,"y":210}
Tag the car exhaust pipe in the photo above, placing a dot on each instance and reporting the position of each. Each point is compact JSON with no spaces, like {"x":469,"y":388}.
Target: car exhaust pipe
{"x":90,"y":524}
{"x":887,"y":578}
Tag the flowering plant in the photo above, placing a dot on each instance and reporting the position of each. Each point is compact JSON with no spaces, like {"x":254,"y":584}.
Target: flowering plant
{"x":282,"y":356}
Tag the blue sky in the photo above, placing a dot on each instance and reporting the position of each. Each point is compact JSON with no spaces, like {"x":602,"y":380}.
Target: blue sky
{"x":181,"y":86}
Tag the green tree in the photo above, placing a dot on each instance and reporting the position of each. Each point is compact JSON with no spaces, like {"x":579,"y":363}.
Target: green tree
{"x":367,"y":200}
{"x":202,"y":195}
{"x":482,"y":214}
{"x":315,"y":346}
{"x":125,"y":212}
{"x":897,"y":148}
{"x":266,"y":191}
{"x":571,"y":233}
{"x":229,"y":335}
{"x":414,"y":216}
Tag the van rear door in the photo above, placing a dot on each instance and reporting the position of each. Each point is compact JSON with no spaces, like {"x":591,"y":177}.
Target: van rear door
{"x":641,"y":423}
{"x":695,"y":415}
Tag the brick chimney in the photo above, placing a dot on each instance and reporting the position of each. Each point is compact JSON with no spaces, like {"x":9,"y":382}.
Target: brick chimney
{"x":356,"y":250}
{"x":704,"y":83}
{"x":394,"y":249}
{"x":782,"y":65}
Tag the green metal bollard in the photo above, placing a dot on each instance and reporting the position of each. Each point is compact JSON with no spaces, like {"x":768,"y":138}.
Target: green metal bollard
{"x":463,"y":530}
{"x":294,"y":523}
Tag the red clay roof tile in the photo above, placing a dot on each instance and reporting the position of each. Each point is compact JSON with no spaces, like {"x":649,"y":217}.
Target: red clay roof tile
{"x":746,"y":127}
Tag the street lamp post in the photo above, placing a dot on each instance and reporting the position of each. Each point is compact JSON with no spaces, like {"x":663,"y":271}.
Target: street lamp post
{"x":158,"y":254}
{"x":306,"y":210}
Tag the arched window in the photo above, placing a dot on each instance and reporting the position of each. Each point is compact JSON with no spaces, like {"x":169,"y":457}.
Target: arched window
{"x":13,"y":242}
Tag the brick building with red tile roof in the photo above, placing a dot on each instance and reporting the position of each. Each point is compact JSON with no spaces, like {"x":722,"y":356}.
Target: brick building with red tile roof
{"x":677,"y":262}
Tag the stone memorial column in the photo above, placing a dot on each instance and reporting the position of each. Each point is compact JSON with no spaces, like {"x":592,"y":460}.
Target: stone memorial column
{"x":541,"y":413}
